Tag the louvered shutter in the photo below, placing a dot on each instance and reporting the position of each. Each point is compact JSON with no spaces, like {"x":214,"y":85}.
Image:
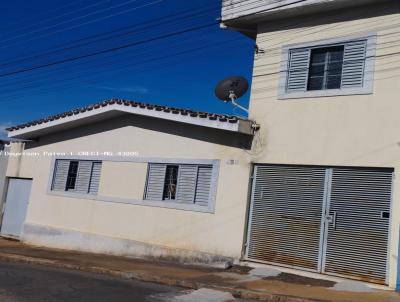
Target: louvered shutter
{"x":299,"y":61}
{"x":203,"y":187}
{"x":353,"y":64}
{"x":95,"y":178}
{"x":60,"y":175}
{"x":155,"y":181}
{"x":83,"y":177}
{"x":186,"y":183}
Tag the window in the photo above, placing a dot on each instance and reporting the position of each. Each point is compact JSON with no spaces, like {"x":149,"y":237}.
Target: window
{"x":325,"y":71}
{"x":327,"y":68}
{"x":183,"y":183}
{"x":75,"y":176}
{"x":72,"y":174}
{"x":171,"y":182}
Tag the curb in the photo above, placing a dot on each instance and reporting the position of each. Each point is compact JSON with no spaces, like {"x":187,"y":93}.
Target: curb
{"x":236,"y":292}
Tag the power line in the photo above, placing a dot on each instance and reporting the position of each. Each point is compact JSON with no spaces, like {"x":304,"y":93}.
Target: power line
{"x":107,"y":50}
{"x":54,"y":18}
{"x":124,"y":31}
{"x":62,"y":7}
{"x":84,"y":23}
{"x":141,"y":62}
{"x":124,"y":60}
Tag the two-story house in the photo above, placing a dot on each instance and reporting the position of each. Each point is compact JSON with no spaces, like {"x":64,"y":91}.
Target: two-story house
{"x":317,"y":188}
{"x":325,"y":90}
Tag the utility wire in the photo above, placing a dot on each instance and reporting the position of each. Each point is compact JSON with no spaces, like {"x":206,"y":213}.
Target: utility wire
{"x":134,"y":58}
{"x":135,"y":64}
{"x":24,"y":28}
{"x":82,"y":24}
{"x":120,"y":32}
{"x":107,"y":50}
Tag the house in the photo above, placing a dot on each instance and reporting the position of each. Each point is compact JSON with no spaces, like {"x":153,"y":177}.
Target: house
{"x":129,"y":178}
{"x":326,"y":189}
{"x":316,"y":188}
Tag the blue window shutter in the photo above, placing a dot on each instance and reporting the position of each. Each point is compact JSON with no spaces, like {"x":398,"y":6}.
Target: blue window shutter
{"x":353,"y":64}
{"x":186,"y":183}
{"x":60,"y":175}
{"x":299,"y":61}
{"x":155,"y":181}
{"x":95,"y":177}
{"x":203,"y":188}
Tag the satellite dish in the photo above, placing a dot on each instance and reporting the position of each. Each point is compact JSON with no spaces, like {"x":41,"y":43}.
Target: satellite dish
{"x":232,"y":88}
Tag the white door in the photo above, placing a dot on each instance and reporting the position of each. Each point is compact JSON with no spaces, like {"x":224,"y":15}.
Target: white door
{"x":16,"y":205}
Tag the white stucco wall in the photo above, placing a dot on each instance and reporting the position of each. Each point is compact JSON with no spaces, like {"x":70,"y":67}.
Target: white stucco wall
{"x":355,"y":130}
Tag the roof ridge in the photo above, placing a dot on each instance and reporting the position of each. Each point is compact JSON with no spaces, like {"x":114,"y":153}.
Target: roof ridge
{"x":124,"y":102}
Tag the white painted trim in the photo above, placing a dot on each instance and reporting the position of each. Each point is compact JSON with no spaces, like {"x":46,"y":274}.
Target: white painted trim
{"x":241,"y":126}
{"x":369,"y":68}
{"x":210,"y":208}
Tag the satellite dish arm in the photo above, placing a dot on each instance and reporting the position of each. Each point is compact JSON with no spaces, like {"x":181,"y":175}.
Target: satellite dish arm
{"x":233,"y":98}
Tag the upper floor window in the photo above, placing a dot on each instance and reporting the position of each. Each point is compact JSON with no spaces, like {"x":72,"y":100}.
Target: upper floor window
{"x":325,"y":71}
{"x":328,"y":68}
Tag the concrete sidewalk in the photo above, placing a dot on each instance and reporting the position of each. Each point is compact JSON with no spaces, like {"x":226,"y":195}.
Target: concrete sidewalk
{"x":240,"y":281}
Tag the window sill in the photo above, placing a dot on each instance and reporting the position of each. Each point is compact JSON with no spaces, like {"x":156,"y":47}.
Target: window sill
{"x":325,"y":93}
{"x":150,"y":203}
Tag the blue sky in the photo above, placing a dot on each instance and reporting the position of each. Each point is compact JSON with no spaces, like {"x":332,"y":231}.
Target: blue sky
{"x":180,"y":70}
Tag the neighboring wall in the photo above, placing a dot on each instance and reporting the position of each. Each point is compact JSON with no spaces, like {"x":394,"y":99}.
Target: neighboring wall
{"x":74,"y":223}
{"x":350,"y":130}
{"x":3,"y":169}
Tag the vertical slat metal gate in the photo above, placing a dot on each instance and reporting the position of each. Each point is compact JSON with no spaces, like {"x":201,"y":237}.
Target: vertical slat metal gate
{"x":329,"y":220}
{"x":357,"y":238}
{"x":286,"y":209}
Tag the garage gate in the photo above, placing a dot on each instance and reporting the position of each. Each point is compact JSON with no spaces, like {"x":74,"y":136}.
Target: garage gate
{"x":328,"y":220}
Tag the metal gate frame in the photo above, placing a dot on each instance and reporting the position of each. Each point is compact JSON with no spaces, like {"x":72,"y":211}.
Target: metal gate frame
{"x":324,"y":223}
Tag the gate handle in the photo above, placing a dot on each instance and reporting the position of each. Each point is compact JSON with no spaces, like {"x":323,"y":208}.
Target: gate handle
{"x":334,"y":220}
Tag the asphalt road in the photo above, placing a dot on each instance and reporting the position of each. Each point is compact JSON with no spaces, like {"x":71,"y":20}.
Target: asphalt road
{"x":24,"y":282}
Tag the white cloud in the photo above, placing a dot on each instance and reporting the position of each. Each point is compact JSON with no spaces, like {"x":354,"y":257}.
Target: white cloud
{"x":3,"y":126}
{"x":134,"y":89}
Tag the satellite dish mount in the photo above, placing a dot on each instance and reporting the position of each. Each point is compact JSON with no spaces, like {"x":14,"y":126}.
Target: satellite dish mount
{"x":233,"y":98}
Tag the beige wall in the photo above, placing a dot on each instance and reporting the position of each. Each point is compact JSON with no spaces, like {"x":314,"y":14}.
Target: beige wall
{"x":128,"y":179}
{"x":219,"y":233}
{"x":352,"y":130}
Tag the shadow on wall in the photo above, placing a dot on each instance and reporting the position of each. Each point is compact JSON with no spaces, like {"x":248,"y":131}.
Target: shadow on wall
{"x":216,"y":136}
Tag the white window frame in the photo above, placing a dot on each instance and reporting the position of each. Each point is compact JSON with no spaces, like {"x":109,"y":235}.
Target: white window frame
{"x":368,"y":81}
{"x":210,"y":208}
